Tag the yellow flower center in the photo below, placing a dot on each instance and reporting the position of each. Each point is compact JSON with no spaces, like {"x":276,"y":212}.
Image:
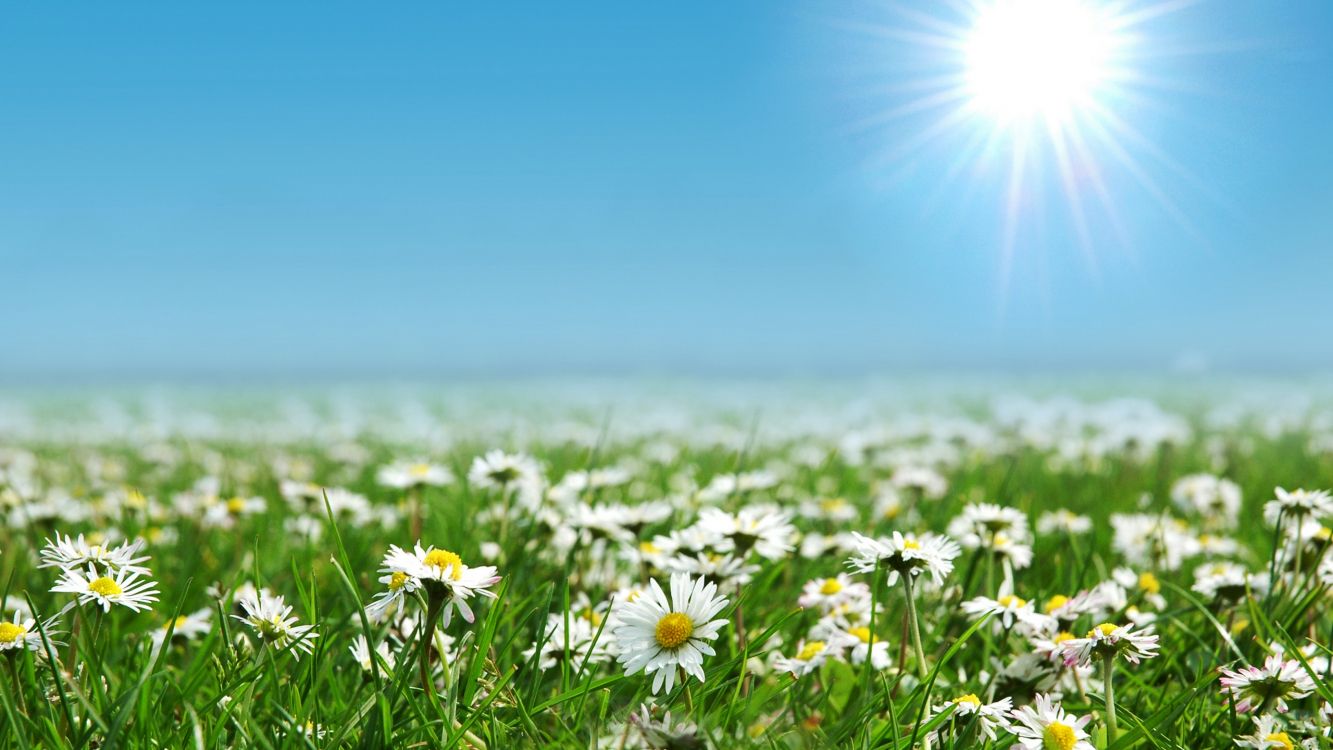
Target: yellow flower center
{"x":10,"y":632}
{"x":1106,"y":629}
{"x":833,"y":504}
{"x":592,"y":616}
{"x":1148,"y":582}
{"x":1056,"y":602}
{"x":1009,"y":600}
{"x":1281,"y":739}
{"x":862,"y":633}
{"x":236,"y":505}
{"x":810,"y":651}
{"x":970,"y":698}
{"x":674,"y":629}
{"x":911,"y":544}
{"x":1063,"y":636}
{"x":105,"y":586}
{"x":830,"y":587}
{"x":177,"y":623}
{"x":397,"y":580}
{"x":419,"y":470}
{"x":648,"y":548}
{"x":444,"y":559}
{"x":1058,"y":736}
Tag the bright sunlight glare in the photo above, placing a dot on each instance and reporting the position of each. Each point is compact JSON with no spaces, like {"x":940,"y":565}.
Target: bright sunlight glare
{"x":1038,"y":58}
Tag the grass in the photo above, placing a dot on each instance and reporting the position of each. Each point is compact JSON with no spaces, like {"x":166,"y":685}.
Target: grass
{"x":98,"y":681}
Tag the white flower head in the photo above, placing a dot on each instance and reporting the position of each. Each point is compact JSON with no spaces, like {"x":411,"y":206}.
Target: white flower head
{"x":1045,"y":725}
{"x":123,"y":588}
{"x":270,"y":619}
{"x":904,"y":555}
{"x":1111,"y":639}
{"x":1269,"y":686}
{"x":69,"y":553}
{"x":404,"y":475}
{"x":657,"y":634}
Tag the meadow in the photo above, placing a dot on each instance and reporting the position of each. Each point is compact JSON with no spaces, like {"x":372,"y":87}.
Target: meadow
{"x":788,"y":570}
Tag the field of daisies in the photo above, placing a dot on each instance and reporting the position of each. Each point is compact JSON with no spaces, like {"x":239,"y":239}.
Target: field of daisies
{"x":775,"y":568}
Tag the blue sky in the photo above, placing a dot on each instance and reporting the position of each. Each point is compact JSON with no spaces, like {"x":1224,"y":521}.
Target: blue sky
{"x":439,"y":188}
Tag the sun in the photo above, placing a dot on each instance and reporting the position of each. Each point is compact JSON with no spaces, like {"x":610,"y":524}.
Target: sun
{"x":1043,"y":59}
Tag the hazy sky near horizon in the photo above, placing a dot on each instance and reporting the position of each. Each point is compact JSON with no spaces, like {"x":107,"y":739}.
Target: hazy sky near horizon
{"x":424,"y":188}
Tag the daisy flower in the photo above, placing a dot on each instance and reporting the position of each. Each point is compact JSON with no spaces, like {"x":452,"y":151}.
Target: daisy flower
{"x":187,"y":627}
{"x":1298,"y":504}
{"x":768,"y":533}
{"x":1269,"y":686}
{"x":443,"y":574}
{"x":362,"y":653}
{"x":980,"y":522}
{"x":70,"y":553}
{"x":828,"y":593}
{"x":987,"y":717}
{"x":1044,"y":725}
{"x":499,"y":470}
{"x":270,"y":617}
{"x":1214,"y":498}
{"x":1268,"y":735}
{"x":576,"y":635}
{"x":397,"y":585}
{"x":1226,"y":582}
{"x":1062,"y":521}
{"x":1109,"y":639}
{"x":663,"y":731}
{"x":655,"y":633}
{"x":19,"y":632}
{"x":122,"y":587}
{"x":402,"y":475}
{"x":1010,"y":610}
{"x":904,"y":555}
{"x":809,"y":657}
{"x":865,"y":645}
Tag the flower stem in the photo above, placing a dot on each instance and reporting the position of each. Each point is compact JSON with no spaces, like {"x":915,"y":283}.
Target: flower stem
{"x":427,"y":636}
{"x":916,"y":627}
{"x":1108,"y":666}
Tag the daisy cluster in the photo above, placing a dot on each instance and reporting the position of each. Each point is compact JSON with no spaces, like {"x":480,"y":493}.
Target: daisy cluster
{"x":1037,"y":573}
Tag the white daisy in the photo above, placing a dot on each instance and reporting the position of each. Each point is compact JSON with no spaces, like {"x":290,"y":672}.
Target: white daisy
{"x":271,"y":619}
{"x":1269,"y":686}
{"x":69,"y":553}
{"x":1110,"y":639}
{"x":1044,"y":725}
{"x":969,"y":710}
{"x":1062,"y":521}
{"x":122,"y":587}
{"x":1010,"y":610}
{"x":828,"y":593}
{"x":443,"y":574}
{"x":1268,"y":735}
{"x":500,"y":470}
{"x":657,"y":634}
{"x":20,"y":632}
{"x":769,"y":533}
{"x":1298,"y":504}
{"x":809,"y":657}
{"x":362,"y":653}
{"x":905,"y":555}
{"x":574,"y":636}
{"x":403,"y":475}
{"x":186,"y":627}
